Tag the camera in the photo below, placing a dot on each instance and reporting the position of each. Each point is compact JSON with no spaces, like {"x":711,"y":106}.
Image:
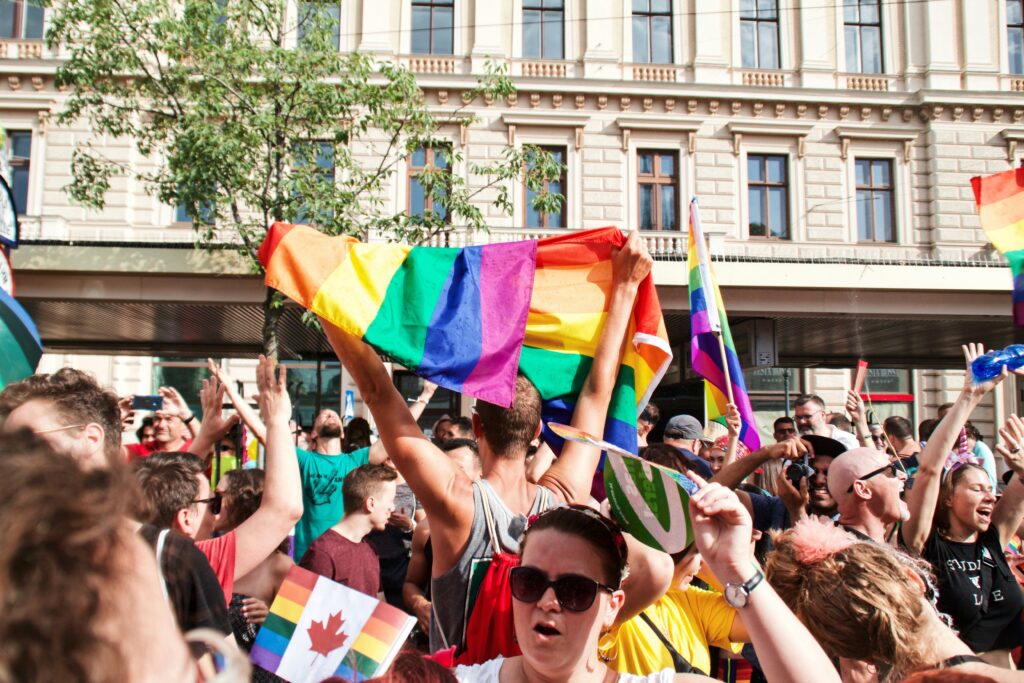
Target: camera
{"x":801,"y":469}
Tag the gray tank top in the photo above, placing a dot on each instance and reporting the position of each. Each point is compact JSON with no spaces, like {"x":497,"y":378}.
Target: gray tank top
{"x":450,"y":591}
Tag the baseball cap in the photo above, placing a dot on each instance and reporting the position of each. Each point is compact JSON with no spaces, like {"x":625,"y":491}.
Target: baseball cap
{"x":684,"y":427}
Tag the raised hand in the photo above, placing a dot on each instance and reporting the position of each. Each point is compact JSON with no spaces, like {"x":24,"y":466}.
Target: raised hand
{"x":275,"y":404}
{"x":979,"y":389}
{"x":733,"y":421}
{"x":722,"y":530}
{"x":174,"y":403}
{"x":124,"y":407}
{"x":632,"y":262}
{"x":854,"y":406}
{"x":790,"y":449}
{"x":211,"y":396}
{"x":1012,"y":433}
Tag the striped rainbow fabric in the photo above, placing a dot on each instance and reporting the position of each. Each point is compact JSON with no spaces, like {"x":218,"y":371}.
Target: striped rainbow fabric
{"x":317,"y":628}
{"x":707,"y":317}
{"x":1000,"y":199}
{"x":468,"y":318}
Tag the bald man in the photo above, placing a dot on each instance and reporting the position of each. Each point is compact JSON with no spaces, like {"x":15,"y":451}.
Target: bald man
{"x":866,"y":488}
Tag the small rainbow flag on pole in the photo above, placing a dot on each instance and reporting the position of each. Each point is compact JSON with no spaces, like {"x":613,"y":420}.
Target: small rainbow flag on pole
{"x":712,"y":353}
{"x":468,"y":319}
{"x":318,"y":628}
{"x":1000,"y":199}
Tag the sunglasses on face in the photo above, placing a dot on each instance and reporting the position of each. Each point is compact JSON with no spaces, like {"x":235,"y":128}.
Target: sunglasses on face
{"x":214,"y":502}
{"x":889,"y":471}
{"x":574,"y":593}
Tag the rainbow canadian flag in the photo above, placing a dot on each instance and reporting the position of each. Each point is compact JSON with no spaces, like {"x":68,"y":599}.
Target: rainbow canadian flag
{"x":318,"y":628}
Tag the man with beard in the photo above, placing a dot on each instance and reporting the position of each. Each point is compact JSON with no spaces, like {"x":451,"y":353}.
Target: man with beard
{"x":811,"y":418}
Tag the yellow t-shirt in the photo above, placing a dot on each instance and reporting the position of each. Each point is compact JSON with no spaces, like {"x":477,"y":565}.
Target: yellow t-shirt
{"x":691,"y":619}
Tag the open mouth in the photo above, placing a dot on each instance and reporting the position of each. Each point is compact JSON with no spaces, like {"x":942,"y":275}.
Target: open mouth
{"x":546,"y":630}
{"x":985,"y":513}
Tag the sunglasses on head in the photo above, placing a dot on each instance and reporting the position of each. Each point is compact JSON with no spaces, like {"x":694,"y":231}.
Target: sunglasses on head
{"x":574,"y":593}
{"x":891,"y":469}
{"x":214,"y":503}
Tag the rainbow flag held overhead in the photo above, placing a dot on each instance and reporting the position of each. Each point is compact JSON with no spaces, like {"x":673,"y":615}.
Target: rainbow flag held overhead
{"x":708,"y":319}
{"x":1000,"y":199}
{"x":468,"y":319}
{"x":318,"y":628}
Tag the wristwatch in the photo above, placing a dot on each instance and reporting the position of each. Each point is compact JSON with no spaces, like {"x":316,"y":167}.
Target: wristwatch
{"x":738,"y":594}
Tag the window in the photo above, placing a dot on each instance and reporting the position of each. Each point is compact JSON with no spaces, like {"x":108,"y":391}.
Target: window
{"x":19,"y":154}
{"x":876,"y":216}
{"x":426,"y":159}
{"x":652,"y":31}
{"x":863,"y":31}
{"x":323,"y":156}
{"x":768,"y":196}
{"x":21,"y":19}
{"x":759,"y":33}
{"x":432,"y":27}
{"x":543,"y":29}
{"x":657,"y":190}
{"x":768,"y":389}
{"x":207,"y":214}
{"x":313,"y":15}
{"x":1015,"y":34}
{"x":536,"y":219}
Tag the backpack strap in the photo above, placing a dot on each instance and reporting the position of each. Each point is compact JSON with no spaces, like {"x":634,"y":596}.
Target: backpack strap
{"x":679,"y":662}
{"x":492,"y":529}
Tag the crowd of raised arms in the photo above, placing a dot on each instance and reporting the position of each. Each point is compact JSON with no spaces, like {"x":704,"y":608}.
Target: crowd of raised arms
{"x":841,"y":551}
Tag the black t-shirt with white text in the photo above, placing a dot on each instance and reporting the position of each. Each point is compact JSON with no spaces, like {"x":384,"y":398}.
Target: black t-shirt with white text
{"x":977,"y":589}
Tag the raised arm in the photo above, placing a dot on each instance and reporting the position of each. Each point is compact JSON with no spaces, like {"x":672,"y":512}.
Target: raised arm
{"x":785,"y":647}
{"x":859,"y":418}
{"x":281,"y":507}
{"x":443,"y":489}
{"x":570,"y":476}
{"x":650,"y":577}
{"x":174,"y":403}
{"x":923,"y":497}
{"x":1009,"y":511}
{"x":733,"y":474}
{"x":249,"y":416}
{"x":540,"y":463}
{"x":214,"y":426}
{"x":733,"y":423}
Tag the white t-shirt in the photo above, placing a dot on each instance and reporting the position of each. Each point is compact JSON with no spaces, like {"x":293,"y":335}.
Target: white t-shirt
{"x":488,"y":673}
{"x":845,"y":438}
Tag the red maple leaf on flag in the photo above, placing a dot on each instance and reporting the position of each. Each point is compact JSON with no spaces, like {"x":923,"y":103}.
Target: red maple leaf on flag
{"x":327,"y":636}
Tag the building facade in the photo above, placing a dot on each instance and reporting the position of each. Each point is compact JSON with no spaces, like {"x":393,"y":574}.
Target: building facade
{"x":830,"y":146}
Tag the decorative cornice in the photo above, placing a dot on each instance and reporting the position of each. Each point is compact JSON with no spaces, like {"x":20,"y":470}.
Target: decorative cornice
{"x":798,"y":131}
{"x":1012,"y":136}
{"x":671,"y":124}
{"x":847,"y":133}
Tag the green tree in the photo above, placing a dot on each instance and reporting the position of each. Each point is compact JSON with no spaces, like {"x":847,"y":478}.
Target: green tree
{"x":255,"y":116}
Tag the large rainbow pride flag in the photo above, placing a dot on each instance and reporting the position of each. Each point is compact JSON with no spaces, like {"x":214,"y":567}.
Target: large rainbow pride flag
{"x":317,"y":628}
{"x":707,"y":321}
{"x":468,"y":318}
{"x":1000,"y":199}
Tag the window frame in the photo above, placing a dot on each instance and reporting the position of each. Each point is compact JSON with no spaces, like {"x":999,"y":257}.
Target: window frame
{"x":432,"y":5}
{"x":786,"y":184}
{"x":872,"y":189}
{"x":757,"y":21}
{"x":19,"y":162}
{"x":430,"y":152}
{"x":656,"y":180}
{"x":861,"y":25}
{"x":1019,"y":26}
{"x":564,"y":180}
{"x":18,"y":18}
{"x":650,"y":14}
{"x":542,"y":10}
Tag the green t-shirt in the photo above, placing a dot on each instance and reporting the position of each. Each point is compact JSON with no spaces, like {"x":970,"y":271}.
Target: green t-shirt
{"x":322,"y":502}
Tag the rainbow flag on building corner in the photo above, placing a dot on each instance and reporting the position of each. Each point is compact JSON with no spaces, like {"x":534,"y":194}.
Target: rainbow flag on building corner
{"x":1000,"y":199}
{"x":318,"y":628}
{"x":707,"y":317}
{"x":468,"y":319}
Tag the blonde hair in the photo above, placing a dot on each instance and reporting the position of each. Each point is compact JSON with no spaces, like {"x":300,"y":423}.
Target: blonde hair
{"x":859,"y":603}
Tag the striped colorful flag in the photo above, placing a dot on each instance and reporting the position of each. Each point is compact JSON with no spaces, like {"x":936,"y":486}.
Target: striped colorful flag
{"x":468,"y":318}
{"x":707,"y":321}
{"x":318,"y":628}
{"x":1000,"y":199}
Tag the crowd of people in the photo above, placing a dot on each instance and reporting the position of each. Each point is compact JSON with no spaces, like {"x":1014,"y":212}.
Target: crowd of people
{"x":812,"y":558}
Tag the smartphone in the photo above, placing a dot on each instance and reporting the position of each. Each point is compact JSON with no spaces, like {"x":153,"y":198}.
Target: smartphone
{"x":155,"y":402}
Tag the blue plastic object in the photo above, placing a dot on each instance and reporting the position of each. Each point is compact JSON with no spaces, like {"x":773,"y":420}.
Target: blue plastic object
{"x":990,"y":365}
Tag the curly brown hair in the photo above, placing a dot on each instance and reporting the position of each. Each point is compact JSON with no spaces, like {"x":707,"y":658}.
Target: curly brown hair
{"x":77,"y":398}
{"x":860,"y":603}
{"x":63,"y":534}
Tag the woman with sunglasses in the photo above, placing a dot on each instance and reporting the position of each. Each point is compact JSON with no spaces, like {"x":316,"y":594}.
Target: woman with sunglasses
{"x":567,"y":592}
{"x":957,"y":525}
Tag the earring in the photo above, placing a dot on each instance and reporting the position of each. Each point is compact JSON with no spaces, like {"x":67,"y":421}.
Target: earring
{"x":605,"y":645}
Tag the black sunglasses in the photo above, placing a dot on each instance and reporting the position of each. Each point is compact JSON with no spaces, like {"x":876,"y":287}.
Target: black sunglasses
{"x":574,"y":593}
{"x":891,"y":468}
{"x":214,"y":503}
